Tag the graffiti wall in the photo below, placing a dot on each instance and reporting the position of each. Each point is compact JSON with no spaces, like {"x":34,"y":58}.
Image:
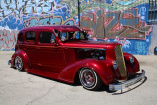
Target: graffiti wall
{"x":122,"y":21}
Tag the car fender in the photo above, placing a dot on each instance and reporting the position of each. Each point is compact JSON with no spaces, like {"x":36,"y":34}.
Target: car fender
{"x":24,"y":58}
{"x":135,"y":66}
{"x":101,"y":67}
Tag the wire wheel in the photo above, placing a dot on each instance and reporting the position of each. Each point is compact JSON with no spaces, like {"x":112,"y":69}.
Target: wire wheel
{"x":89,"y":79}
{"x":19,"y":64}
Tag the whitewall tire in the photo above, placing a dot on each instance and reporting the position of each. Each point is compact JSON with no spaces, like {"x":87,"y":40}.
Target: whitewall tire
{"x":19,"y":64}
{"x":89,"y":79}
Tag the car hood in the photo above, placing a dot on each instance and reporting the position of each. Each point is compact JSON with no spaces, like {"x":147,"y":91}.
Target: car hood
{"x":89,"y":44}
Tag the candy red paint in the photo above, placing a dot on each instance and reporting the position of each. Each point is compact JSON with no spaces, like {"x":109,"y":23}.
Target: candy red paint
{"x":63,"y":60}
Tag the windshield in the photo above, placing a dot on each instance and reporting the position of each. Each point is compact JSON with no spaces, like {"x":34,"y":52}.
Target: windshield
{"x":68,"y":36}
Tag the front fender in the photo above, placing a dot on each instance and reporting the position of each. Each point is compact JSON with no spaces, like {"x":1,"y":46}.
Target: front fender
{"x":133,"y":68}
{"x":101,"y":67}
{"x":24,"y":58}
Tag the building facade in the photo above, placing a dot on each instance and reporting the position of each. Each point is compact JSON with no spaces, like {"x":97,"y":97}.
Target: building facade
{"x":129,"y":22}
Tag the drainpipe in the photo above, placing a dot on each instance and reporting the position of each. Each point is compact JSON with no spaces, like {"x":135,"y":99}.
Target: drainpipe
{"x":79,"y":11}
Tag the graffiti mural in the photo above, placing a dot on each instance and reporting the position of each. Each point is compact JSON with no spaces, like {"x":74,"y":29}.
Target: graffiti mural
{"x":8,"y":39}
{"x":47,"y":20}
{"x":122,"y":21}
{"x":19,"y":7}
{"x":121,"y":24}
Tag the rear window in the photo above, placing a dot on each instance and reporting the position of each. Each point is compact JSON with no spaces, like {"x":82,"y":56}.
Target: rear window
{"x":20,"y":38}
{"x":30,"y":37}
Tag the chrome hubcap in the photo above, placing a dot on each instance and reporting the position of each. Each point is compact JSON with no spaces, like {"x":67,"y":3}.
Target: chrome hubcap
{"x":18,"y":63}
{"x":87,"y":78}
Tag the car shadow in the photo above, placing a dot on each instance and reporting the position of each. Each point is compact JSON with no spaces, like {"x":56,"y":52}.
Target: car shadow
{"x":74,"y":84}
{"x":103,"y":88}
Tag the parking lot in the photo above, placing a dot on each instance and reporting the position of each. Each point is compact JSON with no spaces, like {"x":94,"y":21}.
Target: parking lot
{"x":21,"y":88}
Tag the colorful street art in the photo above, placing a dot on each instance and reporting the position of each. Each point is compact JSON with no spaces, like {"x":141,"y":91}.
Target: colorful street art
{"x":120,"y":24}
{"x":47,"y":20}
{"x":8,"y":39}
{"x":122,"y":21}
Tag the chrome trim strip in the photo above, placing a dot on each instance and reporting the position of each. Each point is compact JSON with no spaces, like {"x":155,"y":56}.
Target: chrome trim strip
{"x":115,"y":87}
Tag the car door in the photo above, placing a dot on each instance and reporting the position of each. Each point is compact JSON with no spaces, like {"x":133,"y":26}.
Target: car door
{"x":30,"y":48}
{"x":50,"y":56}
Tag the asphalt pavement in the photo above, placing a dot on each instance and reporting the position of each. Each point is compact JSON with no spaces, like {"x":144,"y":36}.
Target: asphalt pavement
{"x":22,"y":88}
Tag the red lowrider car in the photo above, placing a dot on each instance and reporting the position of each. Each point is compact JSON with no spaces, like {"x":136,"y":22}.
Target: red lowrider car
{"x":65,"y":53}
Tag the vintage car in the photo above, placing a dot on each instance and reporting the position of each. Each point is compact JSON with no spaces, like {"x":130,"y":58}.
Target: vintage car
{"x":65,"y":53}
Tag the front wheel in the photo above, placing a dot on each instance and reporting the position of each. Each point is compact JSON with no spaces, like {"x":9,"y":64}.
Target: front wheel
{"x":19,"y":64}
{"x":89,"y":79}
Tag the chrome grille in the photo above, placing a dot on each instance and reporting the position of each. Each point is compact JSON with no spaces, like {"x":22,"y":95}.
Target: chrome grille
{"x":120,"y":60}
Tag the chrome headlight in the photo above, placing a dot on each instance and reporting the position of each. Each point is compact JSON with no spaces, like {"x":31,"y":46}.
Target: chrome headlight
{"x":115,"y":64}
{"x":131,"y":59}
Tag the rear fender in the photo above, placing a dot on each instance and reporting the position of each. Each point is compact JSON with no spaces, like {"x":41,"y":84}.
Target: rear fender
{"x":24,"y":58}
{"x":101,"y":67}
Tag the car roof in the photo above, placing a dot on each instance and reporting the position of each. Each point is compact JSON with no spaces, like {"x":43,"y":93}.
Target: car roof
{"x":62,"y":28}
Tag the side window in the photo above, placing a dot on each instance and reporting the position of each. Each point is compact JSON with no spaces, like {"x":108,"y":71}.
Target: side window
{"x":46,"y":37}
{"x":77,"y":35}
{"x":82,"y":35}
{"x":30,"y":36}
{"x":20,"y":38}
{"x":63,"y":36}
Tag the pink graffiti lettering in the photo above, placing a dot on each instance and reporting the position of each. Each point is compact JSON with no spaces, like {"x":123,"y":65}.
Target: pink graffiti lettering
{"x":117,"y":27}
{"x":8,"y":39}
{"x":127,"y":16}
{"x":121,"y":24}
{"x":124,"y":42}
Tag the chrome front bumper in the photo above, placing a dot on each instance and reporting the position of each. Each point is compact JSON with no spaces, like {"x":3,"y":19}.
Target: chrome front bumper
{"x":114,"y":87}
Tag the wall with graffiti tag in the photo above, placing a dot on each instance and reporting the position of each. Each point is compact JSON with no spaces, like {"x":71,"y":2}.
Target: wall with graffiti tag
{"x":122,"y":21}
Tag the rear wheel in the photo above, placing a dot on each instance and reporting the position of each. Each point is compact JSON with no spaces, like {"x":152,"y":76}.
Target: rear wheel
{"x":89,"y":79}
{"x":19,"y":64}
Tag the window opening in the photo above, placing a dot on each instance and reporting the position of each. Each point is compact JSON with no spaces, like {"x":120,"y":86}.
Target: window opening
{"x":46,"y":37}
{"x":30,"y":36}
